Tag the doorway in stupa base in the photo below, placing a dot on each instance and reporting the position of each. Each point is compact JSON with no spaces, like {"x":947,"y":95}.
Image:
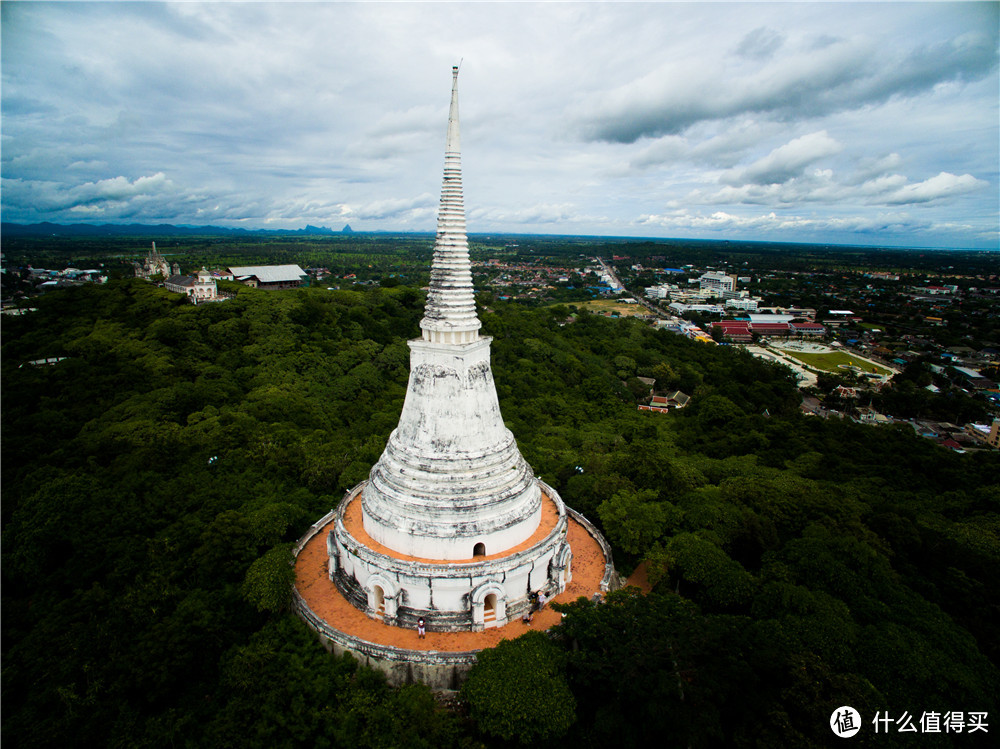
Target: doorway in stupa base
{"x":562,"y":567}
{"x":489,"y":606}
{"x":383,"y":598}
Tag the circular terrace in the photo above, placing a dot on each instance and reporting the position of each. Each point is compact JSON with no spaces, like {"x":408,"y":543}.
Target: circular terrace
{"x":441,"y":658}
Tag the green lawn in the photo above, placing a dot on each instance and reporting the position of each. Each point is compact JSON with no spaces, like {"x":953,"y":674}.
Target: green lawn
{"x":831,"y":362}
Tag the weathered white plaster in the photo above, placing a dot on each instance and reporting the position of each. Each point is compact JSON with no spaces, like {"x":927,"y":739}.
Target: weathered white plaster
{"x":451,"y":475}
{"x":449,"y":596}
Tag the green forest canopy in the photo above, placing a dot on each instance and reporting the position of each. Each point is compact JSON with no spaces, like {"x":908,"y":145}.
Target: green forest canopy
{"x":800,"y":564}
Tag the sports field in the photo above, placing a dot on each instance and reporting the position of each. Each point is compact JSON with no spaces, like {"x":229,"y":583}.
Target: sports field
{"x":610,"y":305}
{"x":836,"y":361}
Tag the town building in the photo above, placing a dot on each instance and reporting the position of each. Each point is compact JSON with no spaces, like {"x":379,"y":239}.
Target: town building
{"x":716,"y":283}
{"x":973,"y":379}
{"x":806,"y":329}
{"x":680,"y":308}
{"x":664,"y":403}
{"x":989,"y":435}
{"x":660,"y":291}
{"x":748,"y":304}
{"x":838,"y":317}
{"x":737,"y":331}
{"x":764,"y":317}
{"x":742,"y":331}
{"x":53,"y":279}
{"x":805,"y":313}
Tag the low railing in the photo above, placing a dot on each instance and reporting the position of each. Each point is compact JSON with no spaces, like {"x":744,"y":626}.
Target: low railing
{"x":319,"y":524}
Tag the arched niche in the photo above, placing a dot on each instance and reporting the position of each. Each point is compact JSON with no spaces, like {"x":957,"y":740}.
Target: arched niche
{"x":383,"y":597}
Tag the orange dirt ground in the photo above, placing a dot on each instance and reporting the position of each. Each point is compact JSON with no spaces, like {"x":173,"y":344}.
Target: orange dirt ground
{"x":640,"y":578}
{"x":327,"y":603}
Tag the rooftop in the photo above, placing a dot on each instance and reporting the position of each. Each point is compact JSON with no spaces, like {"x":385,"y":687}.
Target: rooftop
{"x":270,"y":273}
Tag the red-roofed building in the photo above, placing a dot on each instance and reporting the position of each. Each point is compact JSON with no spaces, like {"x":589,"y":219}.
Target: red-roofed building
{"x":806,"y":328}
{"x":769,"y":328}
{"x":734,"y":330}
{"x":664,"y":403}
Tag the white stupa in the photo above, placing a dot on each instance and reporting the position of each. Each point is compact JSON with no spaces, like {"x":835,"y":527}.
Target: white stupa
{"x":451,"y":526}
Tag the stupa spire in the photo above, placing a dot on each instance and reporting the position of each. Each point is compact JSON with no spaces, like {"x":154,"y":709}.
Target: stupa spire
{"x":450,"y":314}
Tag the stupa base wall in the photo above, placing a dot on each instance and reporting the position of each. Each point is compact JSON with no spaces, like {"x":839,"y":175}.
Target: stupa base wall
{"x":449,"y":596}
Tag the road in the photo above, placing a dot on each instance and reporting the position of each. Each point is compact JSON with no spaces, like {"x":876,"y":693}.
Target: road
{"x":804,"y":377}
{"x":639,"y":298}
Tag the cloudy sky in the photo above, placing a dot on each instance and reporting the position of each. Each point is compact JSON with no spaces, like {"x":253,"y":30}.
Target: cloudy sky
{"x":870,"y":123}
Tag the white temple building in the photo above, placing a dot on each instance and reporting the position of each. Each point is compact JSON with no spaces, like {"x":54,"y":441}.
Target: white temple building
{"x":155,"y":264}
{"x":452,"y":525}
{"x":199,"y":288}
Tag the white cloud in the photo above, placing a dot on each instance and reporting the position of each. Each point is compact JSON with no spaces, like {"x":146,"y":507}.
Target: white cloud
{"x":420,"y":205}
{"x":869,"y":168}
{"x":95,"y":196}
{"x":539,"y":213}
{"x":821,"y":187}
{"x":944,"y":185}
{"x":120,"y":189}
{"x":706,"y":147}
{"x":779,"y":223}
{"x":785,"y":162}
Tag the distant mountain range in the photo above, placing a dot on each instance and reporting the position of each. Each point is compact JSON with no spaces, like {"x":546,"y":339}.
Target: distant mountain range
{"x":47,"y":229}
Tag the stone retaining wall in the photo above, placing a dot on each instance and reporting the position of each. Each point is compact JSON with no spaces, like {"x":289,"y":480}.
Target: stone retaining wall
{"x":437,"y":669}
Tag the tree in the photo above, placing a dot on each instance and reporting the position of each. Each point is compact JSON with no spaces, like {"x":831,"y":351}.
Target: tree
{"x":149,"y":477}
{"x":517,"y":691}
{"x":633,"y":520}
{"x":717,"y":410}
{"x":651,"y":670}
{"x":725,"y":582}
{"x":268,"y":582}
